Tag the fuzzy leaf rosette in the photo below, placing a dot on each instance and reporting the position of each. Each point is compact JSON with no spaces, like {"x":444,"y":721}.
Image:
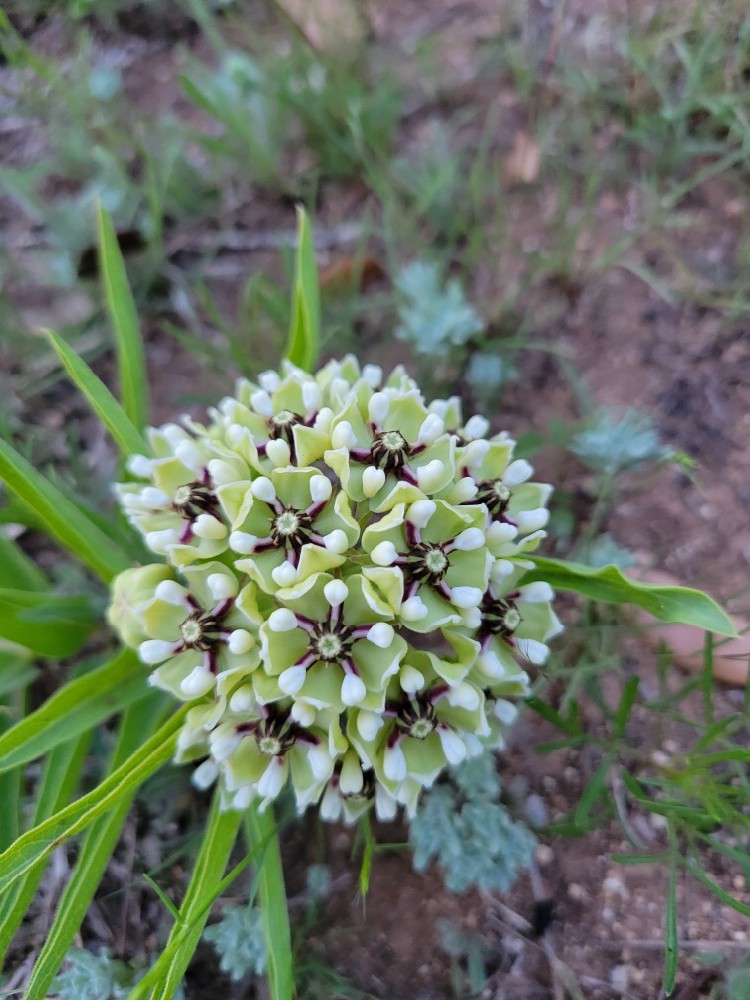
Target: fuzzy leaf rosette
{"x":339,"y":599}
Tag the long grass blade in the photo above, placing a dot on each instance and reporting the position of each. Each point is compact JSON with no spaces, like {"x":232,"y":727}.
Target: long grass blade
{"x":60,"y":517}
{"x":304,"y":331}
{"x":93,"y":857}
{"x":56,"y":787}
{"x":260,"y":827}
{"x":17,"y":570}
{"x":131,"y":364}
{"x":671,"y":943}
{"x":77,"y":707}
{"x":129,"y":439}
{"x":207,"y":879}
{"x":38,"y":843}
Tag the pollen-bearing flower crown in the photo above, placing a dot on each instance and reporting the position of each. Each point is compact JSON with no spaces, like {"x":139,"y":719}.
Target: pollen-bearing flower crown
{"x":340,"y":601}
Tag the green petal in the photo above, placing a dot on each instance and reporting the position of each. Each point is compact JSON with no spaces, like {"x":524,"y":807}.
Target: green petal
{"x":386,"y":588}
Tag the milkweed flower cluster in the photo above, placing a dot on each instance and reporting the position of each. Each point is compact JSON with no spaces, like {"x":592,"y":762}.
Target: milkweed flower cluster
{"x":340,"y":600}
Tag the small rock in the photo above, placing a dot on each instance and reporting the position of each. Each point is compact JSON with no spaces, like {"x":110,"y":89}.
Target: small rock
{"x":620,"y":978}
{"x":544,"y":854}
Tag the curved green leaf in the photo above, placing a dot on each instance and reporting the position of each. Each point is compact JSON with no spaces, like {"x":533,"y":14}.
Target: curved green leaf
{"x":61,"y":518}
{"x":99,"y":398}
{"x":77,"y":707}
{"x":260,"y":827}
{"x":56,"y":786}
{"x":304,"y":331}
{"x":131,"y":365}
{"x":38,"y":843}
{"x":17,"y":570}
{"x":206,"y":882}
{"x":669,"y":604}
{"x":48,"y":624}
{"x":96,"y":849}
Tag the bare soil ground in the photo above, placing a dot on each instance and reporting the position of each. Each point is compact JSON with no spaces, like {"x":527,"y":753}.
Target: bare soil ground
{"x":688,"y":367}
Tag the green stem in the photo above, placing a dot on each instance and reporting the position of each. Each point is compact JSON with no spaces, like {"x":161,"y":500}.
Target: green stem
{"x":261,"y":829}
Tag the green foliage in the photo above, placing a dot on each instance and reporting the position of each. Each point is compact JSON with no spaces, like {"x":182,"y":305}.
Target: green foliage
{"x":131,"y":364}
{"x":238,"y":96}
{"x":101,"y":400}
{"x":669,"y":604}
{"x":434,"y":316}
{"x":304,"y":332}
{"x":239,"y":941}
{"x":462,"y":825}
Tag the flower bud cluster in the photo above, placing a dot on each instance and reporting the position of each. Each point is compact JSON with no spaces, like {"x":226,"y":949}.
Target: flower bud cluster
{"x":340,"y":600}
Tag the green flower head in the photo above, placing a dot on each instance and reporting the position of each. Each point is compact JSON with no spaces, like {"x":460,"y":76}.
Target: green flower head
{"x":342,"y":601}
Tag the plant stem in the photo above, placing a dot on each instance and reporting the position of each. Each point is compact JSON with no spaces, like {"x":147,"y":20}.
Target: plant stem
{"x":261,"y":829}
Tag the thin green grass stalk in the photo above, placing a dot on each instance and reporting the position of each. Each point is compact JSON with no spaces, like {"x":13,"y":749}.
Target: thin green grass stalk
{"x":131,"y":364}
{"x":206,"y":883}
{"x":261,"y":827}
{"x":40,"y":842}
{"x":56,"y":787}
{"x":128,"y":438}
{"x":138,"y":722}
{"x":61,"y":518}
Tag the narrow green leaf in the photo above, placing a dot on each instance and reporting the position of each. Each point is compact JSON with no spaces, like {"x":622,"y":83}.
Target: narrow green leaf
{"x":17,"y":570}
{"x":669,"y":604}
{"x":10,"y":782}
{"x":61,"y":518}
{"x":626,"y":704}
{"x":592,"y":793}
{"x":16,"y":670}
{"x":367,"y":855}
{"x":56,"y":787}
{"x":261,"y":827}
{"x":727,"y":898}
{"x":166,"y":901}
{"x":99,"y":398}
{"x":131,"y":364}
{"x":218,"y":841}
{"x":78,"y":706}
{"x":304,"y":332}
{"x":45,"y":623}
{"x":39,"y":843}
{"x":671,"y":943}
{"x":569,"y":726}
{"x":93,"y":857}
{"x":180,"y":934}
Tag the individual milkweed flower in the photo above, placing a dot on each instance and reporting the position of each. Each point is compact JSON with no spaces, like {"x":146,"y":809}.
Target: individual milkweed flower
{"x":258,"y":751}
{"x":330,"y":645}
{"x":420,"y":732}
{"x":291,"y":526}
{"x":441,"y":554}
{"x":515,"y":620}
{"x":345,"y":607}
{"x":280,"y":419}
{"x":199,"y":632}
{"x":352,"y":790}
{"x":178,"y":512}
{"x":393,"y":451}
{"x":502,"y":485}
